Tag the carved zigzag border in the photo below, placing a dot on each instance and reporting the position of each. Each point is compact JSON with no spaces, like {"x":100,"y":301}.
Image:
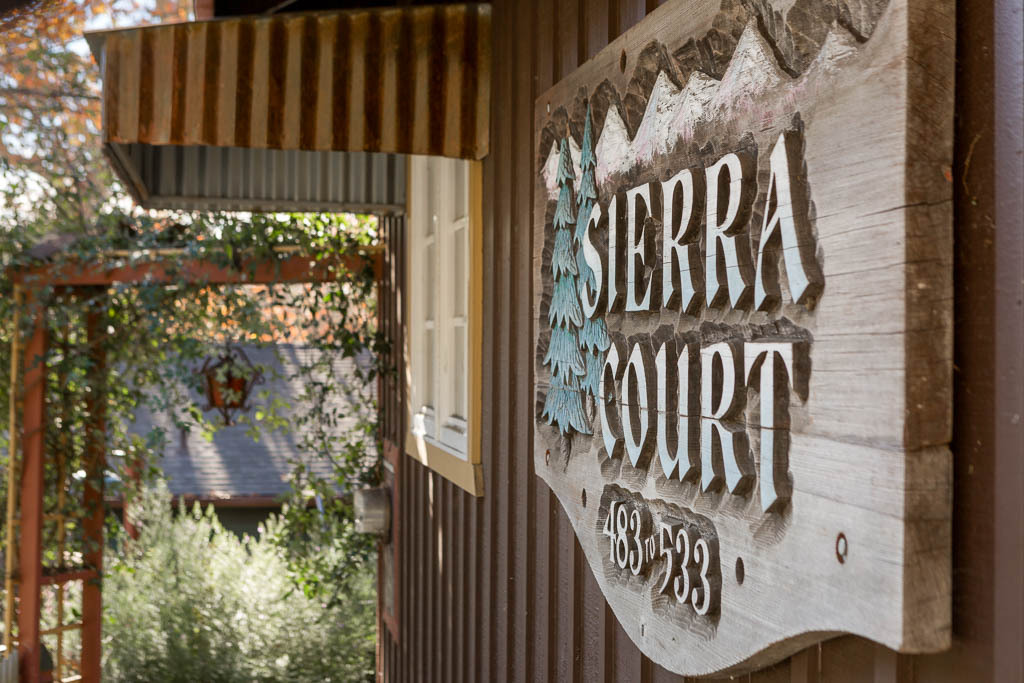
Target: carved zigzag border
{"x":810,"y":32}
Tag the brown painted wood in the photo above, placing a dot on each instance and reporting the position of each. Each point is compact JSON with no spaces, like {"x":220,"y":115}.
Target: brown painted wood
{"x":95,"y":514}
{"x":631,"y":12}
{"x":464,"y":549}
{"x":447,"y":520}
{"x":420,"y":629}
{"x":500,"y":303}
{"x":31,"y":497}
{"x":566,"y":37}
{"x":540,"y":502}
{"x":487,"y":664}
{"x":389,"y":392}
{"x":51,"y":577}
{"x":987,"y":440}
{"x":408,"y":571}
{"x":627,"y":658}
{"x":805,"y":667}
{"x":660,"y":675}
{"x":522,"y":410}
{"x":434,"y":599}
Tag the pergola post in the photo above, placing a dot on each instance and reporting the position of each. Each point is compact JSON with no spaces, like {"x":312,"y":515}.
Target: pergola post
{"x":92,"y":525}
{"x":33,"y":453}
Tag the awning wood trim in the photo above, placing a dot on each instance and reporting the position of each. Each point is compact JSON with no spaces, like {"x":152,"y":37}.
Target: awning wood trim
{"x":412,"y":80}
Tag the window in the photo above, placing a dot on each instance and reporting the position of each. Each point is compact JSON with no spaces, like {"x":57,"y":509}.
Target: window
{"x":443,"y":314}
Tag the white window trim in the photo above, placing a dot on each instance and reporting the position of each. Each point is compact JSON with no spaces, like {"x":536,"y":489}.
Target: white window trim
{"x":438,"y":436}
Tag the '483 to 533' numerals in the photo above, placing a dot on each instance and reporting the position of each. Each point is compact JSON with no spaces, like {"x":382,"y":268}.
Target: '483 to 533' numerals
{"x":688,"y":556}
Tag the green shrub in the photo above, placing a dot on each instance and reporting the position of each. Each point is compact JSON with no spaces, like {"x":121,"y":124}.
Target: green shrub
{"x":190,"y":601}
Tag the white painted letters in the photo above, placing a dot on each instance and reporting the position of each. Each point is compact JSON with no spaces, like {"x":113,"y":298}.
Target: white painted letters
{"x":682,"y":283}
{"x":638,"y":209}
{"x":616,"y":255}
{"x":775,"y":487}
{"x":590,"y":301}
{"x":731,"y":460}
{"x":674,"y":407}
{"x":785,"y":221}
{"x":671,"y":446}
{"x":727,"y":263}
{"x":636,"y":403}
{"x":611,"y":373}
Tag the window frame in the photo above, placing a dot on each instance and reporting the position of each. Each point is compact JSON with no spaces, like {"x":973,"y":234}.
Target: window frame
{"x":462,"y":467}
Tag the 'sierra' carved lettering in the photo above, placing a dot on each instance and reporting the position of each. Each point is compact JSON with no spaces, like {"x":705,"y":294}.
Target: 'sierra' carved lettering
{"x":726,"y":274}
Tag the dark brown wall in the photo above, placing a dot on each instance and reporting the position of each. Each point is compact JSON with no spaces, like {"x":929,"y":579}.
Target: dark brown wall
{"x":497,"y":589}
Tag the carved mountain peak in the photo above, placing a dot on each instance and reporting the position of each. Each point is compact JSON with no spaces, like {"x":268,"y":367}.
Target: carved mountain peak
{"x":670,"y":115}
{"x":575,"y":155}
{"x":613,"y":148}
{"x":696,"y":99}
{"x":550,"y":170}
{"x":698,"y":86}
{"x":656,"y":127}
{"x":839,"y":44}
{"x":753,"y":69}
{"x":653,"y":64}
{"x":661,"y":94}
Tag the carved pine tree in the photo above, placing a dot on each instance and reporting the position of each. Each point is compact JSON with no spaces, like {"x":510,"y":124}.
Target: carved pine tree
{"x":564,"y":402}
{"x":593,"y":338}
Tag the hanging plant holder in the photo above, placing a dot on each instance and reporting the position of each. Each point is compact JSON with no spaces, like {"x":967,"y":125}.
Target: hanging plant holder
{"x":229,"y":382}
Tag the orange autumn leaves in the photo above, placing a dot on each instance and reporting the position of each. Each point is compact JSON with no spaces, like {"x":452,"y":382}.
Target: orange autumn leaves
{"x":50,"y":105}
{"x":290,"y":314}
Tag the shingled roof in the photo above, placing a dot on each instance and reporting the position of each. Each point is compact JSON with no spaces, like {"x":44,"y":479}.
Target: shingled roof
{"x":233,"y":466}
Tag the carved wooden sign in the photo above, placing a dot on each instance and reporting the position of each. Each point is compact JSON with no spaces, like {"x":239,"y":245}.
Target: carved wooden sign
{"x":743,"y":324}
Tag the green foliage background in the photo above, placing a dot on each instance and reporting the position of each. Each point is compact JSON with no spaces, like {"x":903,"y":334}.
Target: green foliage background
{"x":189,"y":601}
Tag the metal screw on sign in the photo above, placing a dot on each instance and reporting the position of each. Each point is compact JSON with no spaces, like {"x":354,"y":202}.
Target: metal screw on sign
{"x":842,"y":547}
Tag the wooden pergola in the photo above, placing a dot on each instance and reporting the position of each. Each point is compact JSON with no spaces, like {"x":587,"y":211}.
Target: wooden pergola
{"x":26,"y":482}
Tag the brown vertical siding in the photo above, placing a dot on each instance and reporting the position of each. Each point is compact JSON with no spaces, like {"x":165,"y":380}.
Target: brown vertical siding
{"x":391,"y":390}
{"x":988,"y":436}
{"x":523,"y":477}
{"x":496,"y":589}
{"x":565,"y":38}
{"x":542,"y":512}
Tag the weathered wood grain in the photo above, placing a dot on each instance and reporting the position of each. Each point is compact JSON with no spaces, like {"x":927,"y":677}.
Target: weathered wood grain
{"x":867,"y":85}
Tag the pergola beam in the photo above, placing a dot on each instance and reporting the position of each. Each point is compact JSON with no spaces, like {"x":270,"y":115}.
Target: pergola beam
{"x":291,"y":269}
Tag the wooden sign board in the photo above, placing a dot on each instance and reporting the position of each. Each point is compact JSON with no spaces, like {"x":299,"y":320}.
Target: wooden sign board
{"x":743,"y":301}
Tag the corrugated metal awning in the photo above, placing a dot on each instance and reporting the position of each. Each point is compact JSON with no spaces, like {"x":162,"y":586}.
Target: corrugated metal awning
{"x":293,"y":112}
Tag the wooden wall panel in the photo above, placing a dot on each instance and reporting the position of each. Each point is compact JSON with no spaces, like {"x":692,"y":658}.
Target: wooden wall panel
{"x":541,"y":504}
{"x":495,"y":589}
{"x":521,"y":475}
